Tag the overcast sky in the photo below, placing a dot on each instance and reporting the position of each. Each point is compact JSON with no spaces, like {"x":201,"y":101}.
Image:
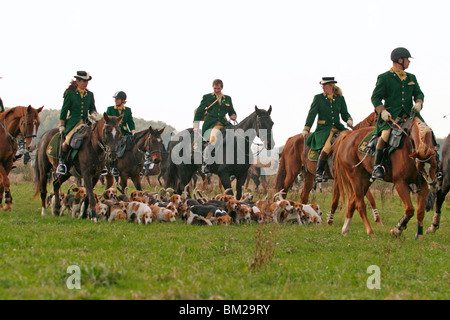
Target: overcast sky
{"x":165,"y":54}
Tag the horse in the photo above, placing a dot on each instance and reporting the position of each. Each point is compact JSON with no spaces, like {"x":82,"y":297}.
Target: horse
{"x":19,"y":125}
{"x":442,"y":189}
{"x":353,"y":172}
{"x":294,"y":161}
{"x":235,"y":147}
{"x":145,"y":145}
{"x":100,"y":142}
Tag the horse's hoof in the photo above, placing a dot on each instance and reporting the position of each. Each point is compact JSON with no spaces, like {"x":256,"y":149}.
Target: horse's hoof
{"x":395,"y":232}
{"x":431,"y":229}
{"x":7,"y":208}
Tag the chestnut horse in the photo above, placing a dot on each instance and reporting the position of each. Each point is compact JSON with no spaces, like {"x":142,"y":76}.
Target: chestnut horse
{"x":353,"y":174}
{"x":100,"y":141}
{"x":146,"y":145}
{"x":292,"y":162}
{"x":17,"y":124}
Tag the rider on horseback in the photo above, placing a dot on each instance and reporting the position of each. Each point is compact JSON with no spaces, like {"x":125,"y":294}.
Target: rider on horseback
{"x":78,"y":104}
{"x":328,"y":106}
{"x":213,"y":109}
{"x":398,"y":89}
{"x":127,"y":125}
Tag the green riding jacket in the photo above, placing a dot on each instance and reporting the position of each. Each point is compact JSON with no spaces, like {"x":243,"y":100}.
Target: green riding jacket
{"x":76,"y":108}
{"x":398,"y":96}
{"x":212,"y":112}
{"x":127,"y":125}
{"x":328,"y":111}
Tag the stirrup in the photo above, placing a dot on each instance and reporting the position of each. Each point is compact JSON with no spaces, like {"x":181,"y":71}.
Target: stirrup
{"x":115,"y":172}
{"x":376,"y":174}
{"x":61,"y":169}
{"x":148,"y":165}
{"x":104,"y":171}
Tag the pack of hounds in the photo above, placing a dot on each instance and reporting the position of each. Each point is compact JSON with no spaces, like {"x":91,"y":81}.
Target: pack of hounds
{"x":145,"y":207}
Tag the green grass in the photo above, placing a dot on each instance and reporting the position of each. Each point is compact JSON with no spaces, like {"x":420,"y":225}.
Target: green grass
{"x":122,"y":260}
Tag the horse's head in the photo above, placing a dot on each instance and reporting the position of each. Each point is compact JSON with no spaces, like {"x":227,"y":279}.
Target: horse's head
{"x":110,"y":134}
{"x":29,"y":124}
{"x":423,"y":147}
{"x":264,"y":125}
{"x":154,"y":145}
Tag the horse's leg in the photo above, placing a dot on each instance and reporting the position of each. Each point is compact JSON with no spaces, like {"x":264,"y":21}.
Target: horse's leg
{"x":308,"y":183}
{"x":421,"y":200}
{"x":109,"y":181}
{"x":349,"y":215}
{"x":440,"y":197}
{"x":5,"y":189}
{"x":239,"y":183}
{"x":334,"y":203}
{"x":136,"y":181}
{"x":225,"y":180}
{"x":373,"y":204}
{"x":289,"y":181}
{"x":360,"y":187}
{"x":56,"y":210}
{"x":360,"y":191}
{"x":2,"y":188}
{"x":404,"y":194}
{"x":90,"y":200}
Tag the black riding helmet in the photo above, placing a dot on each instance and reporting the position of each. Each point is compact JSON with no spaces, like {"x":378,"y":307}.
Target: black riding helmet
{"x":120,"y":95}
{"x":400,"y":53}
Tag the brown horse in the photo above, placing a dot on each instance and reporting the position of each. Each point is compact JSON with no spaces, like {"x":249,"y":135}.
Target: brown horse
{"x":353,"y":174}
{"x":17,"y":124}
{"x":146,"y":145}
{"x":100,"y":141}
{"x":292,"y":162}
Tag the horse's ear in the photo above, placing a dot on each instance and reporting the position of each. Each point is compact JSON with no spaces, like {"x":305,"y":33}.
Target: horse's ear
{"x":29,"y":108}
{"x":40,"y":109}
{"x":270,"y":110}
{"x":256,"y":108}
{"x":105,"y":116}
{"x":162,"y":130}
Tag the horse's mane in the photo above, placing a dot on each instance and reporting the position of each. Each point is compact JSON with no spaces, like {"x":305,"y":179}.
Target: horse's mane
{"x":4,"y":114}
{"x":369,"y":121}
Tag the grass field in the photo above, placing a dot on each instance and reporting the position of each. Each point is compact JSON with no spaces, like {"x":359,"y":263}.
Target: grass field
{"x":122,"y":260}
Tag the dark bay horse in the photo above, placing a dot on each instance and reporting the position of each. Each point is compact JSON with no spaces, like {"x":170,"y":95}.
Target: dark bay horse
{"x":353,"y":173}
{"x":443,"y":186}
{"x":236,"y":149}
{"x":100,"y":141}
{"x":145,"y":145}
{"x":17,"y":124}
{"x":292,"y":163}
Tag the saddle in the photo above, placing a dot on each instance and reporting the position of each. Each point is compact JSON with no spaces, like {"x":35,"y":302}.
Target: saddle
{"x":313,"y":155}
{"x":126,"y":143}
{"x":395,"y":141}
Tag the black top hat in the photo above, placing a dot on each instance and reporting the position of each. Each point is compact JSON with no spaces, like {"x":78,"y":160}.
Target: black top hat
{"x":326,"y":80}
{"x":83,"y":75}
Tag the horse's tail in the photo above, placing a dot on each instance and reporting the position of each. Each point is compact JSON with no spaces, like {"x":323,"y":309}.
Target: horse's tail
{"x":37,"y":174}
{"x":171,"y":175}
{"x":341,"y":180}
{"x":281,"y":174}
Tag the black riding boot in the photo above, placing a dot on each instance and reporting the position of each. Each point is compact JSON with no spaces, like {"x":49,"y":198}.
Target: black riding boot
{"x":378,"y":169}
{"x":321,"y":167}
